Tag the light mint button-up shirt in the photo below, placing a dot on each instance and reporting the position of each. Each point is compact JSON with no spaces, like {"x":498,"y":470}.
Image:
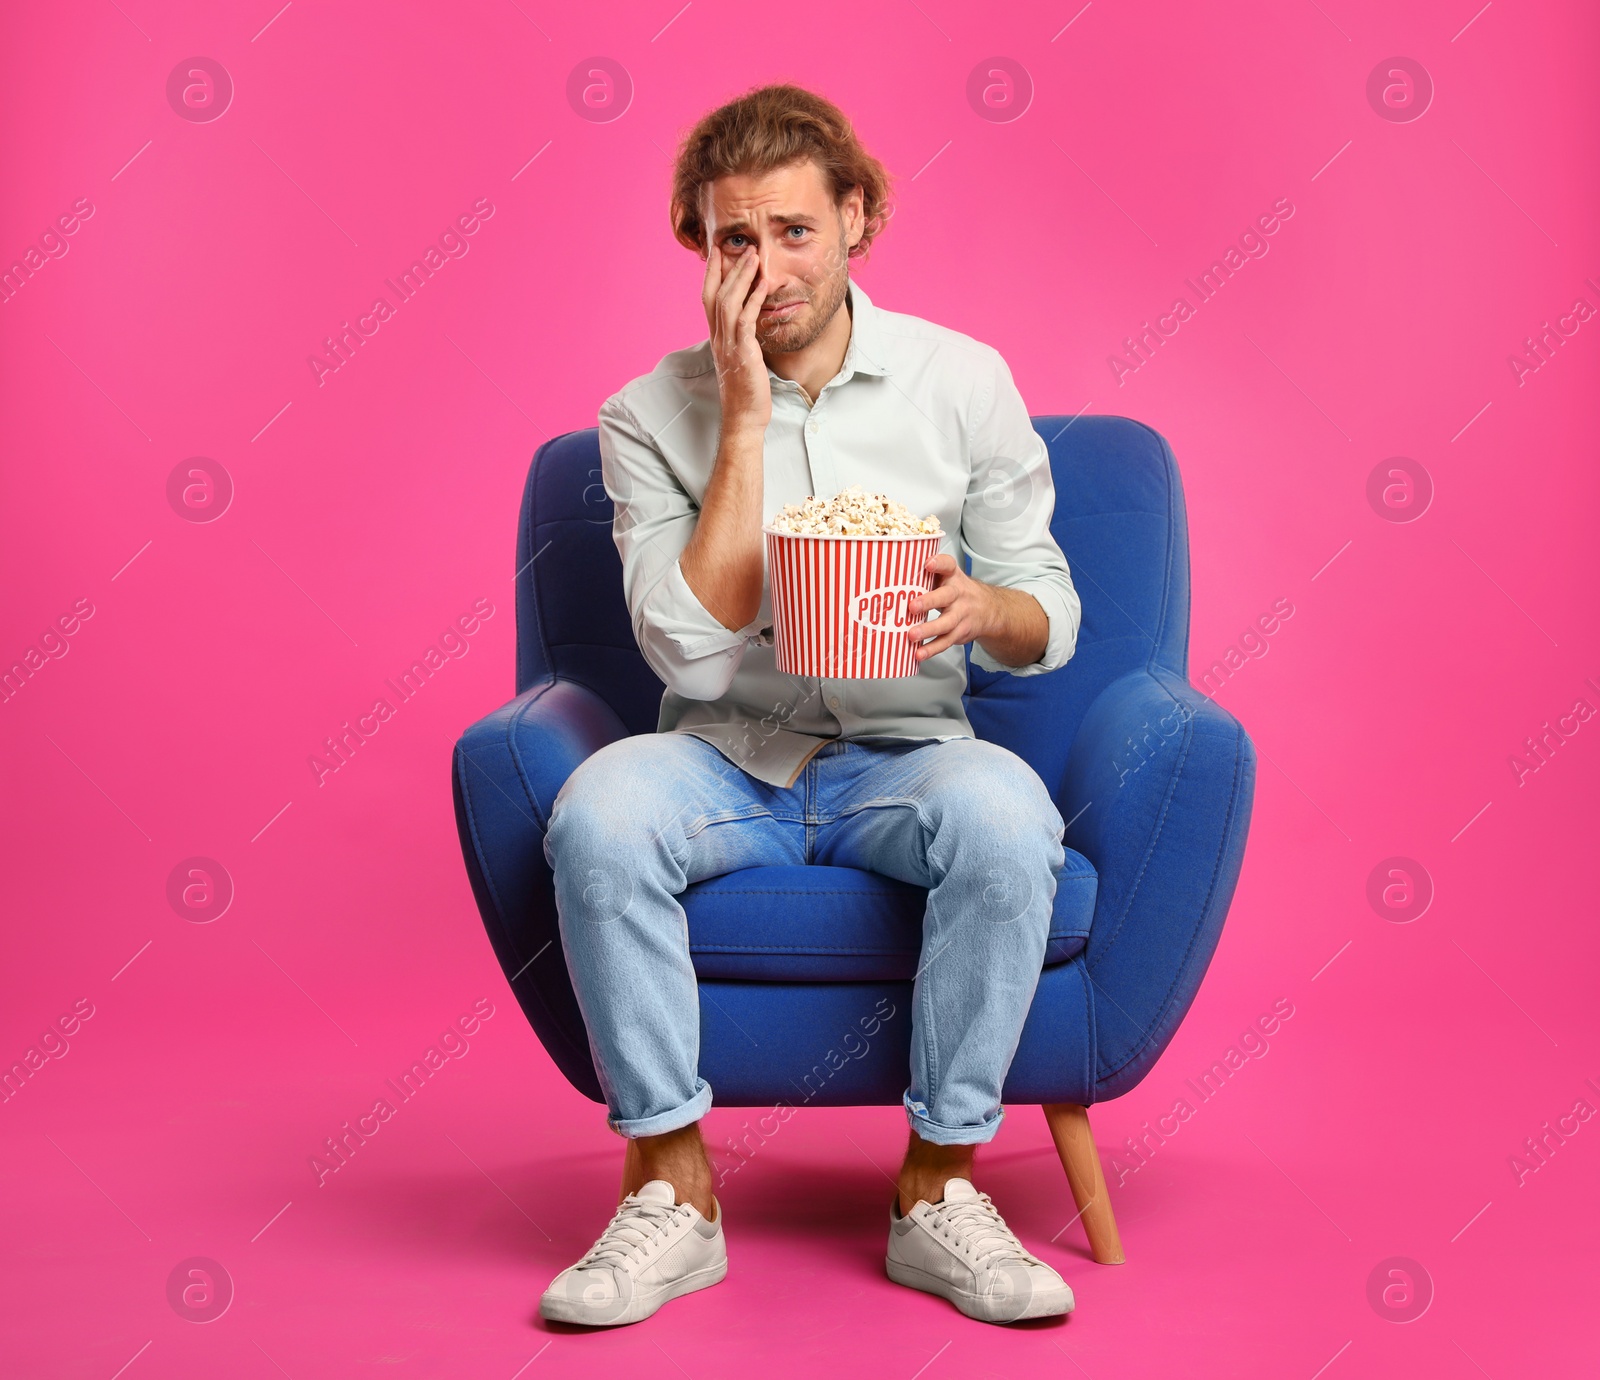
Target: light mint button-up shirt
{"x":924,"y":414}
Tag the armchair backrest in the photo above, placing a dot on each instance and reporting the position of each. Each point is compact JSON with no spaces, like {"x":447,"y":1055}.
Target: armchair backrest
{"x":1119,"y":519}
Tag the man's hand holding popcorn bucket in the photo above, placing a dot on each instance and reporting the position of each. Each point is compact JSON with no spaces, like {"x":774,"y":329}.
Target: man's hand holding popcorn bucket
{"x":853,"y":582}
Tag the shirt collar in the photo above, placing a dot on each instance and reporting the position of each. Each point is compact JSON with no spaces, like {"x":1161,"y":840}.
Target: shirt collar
{"x":866,"y":353}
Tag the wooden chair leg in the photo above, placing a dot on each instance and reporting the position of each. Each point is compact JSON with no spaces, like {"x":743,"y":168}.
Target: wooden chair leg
{"x":1069,"y":1128}
{"x":630,"y":1168}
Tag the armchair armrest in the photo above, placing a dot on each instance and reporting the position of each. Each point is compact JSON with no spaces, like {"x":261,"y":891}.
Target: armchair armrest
{"x":507,"y":771}
{"x":528,"y":748}
{"x":1157,"y":794}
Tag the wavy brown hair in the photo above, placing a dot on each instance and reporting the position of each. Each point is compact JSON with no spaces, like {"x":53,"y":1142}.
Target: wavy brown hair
{"x":770,"y":127}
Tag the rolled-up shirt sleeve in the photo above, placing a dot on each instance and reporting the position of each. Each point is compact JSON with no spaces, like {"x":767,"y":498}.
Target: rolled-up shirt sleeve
{"x":685,"y":644}
{"x":1005,"y":521}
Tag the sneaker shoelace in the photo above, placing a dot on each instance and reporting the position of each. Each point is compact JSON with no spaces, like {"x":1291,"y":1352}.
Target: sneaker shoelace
{"x":636,"y":1224}
{"x":981,"y":1230}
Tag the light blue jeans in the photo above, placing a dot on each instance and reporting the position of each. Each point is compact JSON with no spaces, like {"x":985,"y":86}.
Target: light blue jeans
{"x":645,"y":816}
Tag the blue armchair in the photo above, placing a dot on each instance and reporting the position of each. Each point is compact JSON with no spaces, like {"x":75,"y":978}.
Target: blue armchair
{"x":805,"y":972}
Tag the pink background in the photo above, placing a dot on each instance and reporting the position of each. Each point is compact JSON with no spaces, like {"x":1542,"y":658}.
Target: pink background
{"x":371,"y":510}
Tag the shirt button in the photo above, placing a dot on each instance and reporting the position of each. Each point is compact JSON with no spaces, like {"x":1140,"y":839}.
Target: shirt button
{"x":833,"y":701}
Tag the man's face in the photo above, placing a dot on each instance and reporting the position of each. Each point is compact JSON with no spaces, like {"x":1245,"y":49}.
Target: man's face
{"x":803,"y":238}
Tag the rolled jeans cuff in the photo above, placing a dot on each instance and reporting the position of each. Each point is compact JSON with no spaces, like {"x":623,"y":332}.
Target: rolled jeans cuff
{"x":936,"y":1134}
{"x":678,"y":1117}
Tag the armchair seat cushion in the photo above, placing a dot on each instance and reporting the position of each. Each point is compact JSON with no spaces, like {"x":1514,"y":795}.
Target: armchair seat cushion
{"x":840,"y":924}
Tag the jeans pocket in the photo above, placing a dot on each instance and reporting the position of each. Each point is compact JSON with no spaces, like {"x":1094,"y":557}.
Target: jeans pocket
{"x":705,"y":820}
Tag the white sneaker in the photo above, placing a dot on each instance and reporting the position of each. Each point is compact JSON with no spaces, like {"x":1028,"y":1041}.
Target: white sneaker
{"x":962,"y":1250}
{"x":653,"y":1250}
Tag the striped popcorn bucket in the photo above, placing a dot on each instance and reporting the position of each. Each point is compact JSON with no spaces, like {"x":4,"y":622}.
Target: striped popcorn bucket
{"x":839,"y":603}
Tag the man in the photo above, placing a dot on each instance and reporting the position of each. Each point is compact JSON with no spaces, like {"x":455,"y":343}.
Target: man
{"x":803,"y":387}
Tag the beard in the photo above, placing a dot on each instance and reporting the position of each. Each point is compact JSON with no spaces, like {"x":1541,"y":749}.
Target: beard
{"x":790,"y":337}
